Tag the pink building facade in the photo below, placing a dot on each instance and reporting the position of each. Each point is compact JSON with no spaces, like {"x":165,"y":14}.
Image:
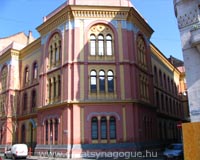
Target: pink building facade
{"x":86,"y":83}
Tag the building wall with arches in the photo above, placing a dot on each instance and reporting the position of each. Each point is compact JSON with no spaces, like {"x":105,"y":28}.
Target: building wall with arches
{"x":87,"y":82}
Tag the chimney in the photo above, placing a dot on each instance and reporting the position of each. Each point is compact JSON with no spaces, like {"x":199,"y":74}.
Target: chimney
{"x":30,"y":37}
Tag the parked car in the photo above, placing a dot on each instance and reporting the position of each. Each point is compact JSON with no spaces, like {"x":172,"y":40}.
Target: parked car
{"x":174,"y":150}
{"x":16,"y":151}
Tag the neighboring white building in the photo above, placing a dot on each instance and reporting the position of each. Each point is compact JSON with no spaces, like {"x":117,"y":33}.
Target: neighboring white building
{"x":188,"y":18}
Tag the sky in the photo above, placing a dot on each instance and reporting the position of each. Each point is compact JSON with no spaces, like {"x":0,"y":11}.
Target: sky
{"x":24,"y":15}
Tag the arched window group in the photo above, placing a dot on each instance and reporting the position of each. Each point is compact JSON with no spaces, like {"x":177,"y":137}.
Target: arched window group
{"x":55,"y":51}
{"x":101,"y":40}
{"x":144,"y":87}
{"x":103,"y":128}
{"x":27,"y":73}
{"x":164,"y":81}
{"x":102,"y":81}
{"x":101,"y":45}
{"x":4,"y":74}
{"x":26,"y":103}
{"x":141,"y":52}
{"x":51,"y":131}
{"x":148,"y":127}
{"x":54,"y":88}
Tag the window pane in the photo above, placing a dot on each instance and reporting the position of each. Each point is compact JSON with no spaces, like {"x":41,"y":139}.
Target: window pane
{"x":103,"y":128}
{"x":92,"y":45}
{"x":110,"y":81}
{"x":112,"y":128}
{"x":94,"y":128}
{"x":93,"y":81}
{"x":102,"y":81}
{"x":56,"y":129}
{"x":100,"y":42}
{"x":35,"y":71}
{"x":109,"y":45}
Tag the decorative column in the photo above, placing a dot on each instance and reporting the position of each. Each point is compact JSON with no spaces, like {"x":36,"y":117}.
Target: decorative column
{"x":99,"y":128}
{"x":49,"y":132}
{"x":108,"y":128}
{"x":53,"y":131}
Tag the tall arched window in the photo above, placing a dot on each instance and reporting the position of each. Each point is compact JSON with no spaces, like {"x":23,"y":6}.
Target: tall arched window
{"x":46,"y":131}
{"x":56,"y":130}
{"x":50,"y":89}
{"x":112,"y":128}
{"x":93,"y":81}
{"x":101,"y":39}
{"x":109,"y":45}
{"x":160,"y":78}
{"x":155,"y":75}
{"x":141,"y":51}
{"x":25,"y":100}
{"x":23,"y":134}
{"x":110,"y":82}
{"x":103,"y":128}
{"x":92,"y":45}
{"x":54,"y":51}
{"x":33,"y":97}
{"x":101,"y":45}
{"x":102,"y":81}
{"x":94,"y":128}
{"x":4,"y":74}
{"x":59,"y":86}
{"x":26,"y":75}
{"x":54,"y":87}
{"x":35,"y":70}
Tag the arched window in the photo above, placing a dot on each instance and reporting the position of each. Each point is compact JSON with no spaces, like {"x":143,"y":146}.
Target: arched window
{"x":50,"y":90}
{"x":102,"y":81}
{"x":93,"y":81}
{"x":54,"y":87}
{"x":59,"y":86}
{"x":92,"y":45}
{"x":25,"y":100}
{"x":109,"y":45}
{"x":94,"y":128}
{"x":56,"y":130}
{"x":100,"y":45}
{"x":4,"y":74}
{"x":110,"y":82}
{"x":35,"y":70}
{"x":26,"y":75}
{"x":165,"y":81}
{"x":112,"y":128}
{"x":33,"y":97}
{"x":23,"y":134}
{"x":160,"y":78}
{"x":141,"y":51}
{"x":51,"y":56}
{"x":155,"y":75}
{"x":103,"y":128}
{"x":46,"y":131}
{"x":54,"y":51}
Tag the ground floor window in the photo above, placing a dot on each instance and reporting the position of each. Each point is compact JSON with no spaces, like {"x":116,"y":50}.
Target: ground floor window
{"x":51,"y":131}
{"x":103,"y":128}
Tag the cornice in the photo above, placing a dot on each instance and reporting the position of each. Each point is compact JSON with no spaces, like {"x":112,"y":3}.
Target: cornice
{"x":54,"y":21}
{"x":140,"y":22}
{"x":8,"y":54}
{"x":163,"y":59}
{"x":30,"y":48}
{"x":115,"y":13}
